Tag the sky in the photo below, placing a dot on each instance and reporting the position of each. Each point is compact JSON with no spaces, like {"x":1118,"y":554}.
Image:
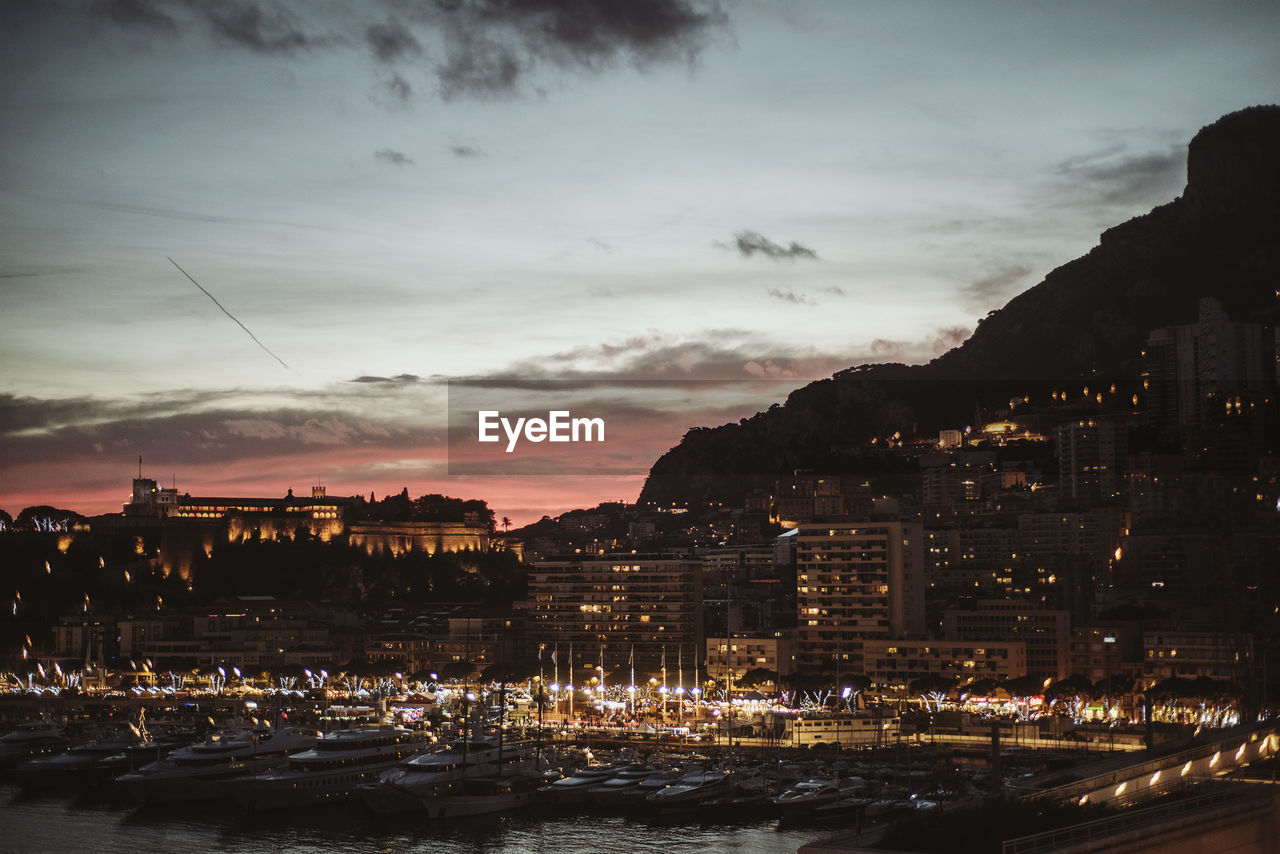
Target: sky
{"x":265,"y":244}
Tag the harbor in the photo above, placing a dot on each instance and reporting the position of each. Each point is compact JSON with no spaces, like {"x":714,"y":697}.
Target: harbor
{"x":460,"y":775}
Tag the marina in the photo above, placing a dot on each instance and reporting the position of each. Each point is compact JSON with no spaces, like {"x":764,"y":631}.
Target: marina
{"x":378,"y":786}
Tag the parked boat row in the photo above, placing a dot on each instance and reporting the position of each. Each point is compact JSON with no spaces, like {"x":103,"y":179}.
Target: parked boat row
{"x":393,"y":769}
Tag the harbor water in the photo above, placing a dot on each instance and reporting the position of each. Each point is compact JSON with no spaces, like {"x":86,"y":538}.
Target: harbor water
{"x":93,"y":824}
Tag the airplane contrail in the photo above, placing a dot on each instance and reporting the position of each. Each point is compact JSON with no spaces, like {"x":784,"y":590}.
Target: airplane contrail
{"x":228,"y":314}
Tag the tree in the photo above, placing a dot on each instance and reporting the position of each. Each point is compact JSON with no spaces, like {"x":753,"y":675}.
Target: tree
{"x":933,"y":687}
{"x":757,"y":676}
{"x":456,"y":670}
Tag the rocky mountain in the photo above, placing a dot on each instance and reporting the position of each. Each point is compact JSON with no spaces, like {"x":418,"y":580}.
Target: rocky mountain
{"x":1087,"y":319}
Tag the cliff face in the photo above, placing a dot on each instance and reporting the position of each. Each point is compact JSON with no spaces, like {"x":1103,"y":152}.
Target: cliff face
{"x":1088,"y":317}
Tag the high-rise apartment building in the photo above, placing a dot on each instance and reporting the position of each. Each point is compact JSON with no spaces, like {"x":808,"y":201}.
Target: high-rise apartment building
{"x":855,"y":581}
{"x":606,"y":606}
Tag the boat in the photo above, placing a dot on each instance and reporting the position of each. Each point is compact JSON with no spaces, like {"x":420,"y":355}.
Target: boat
{"x":29,"y":740}
{"x":574,"y":790}
{"x":691,"y":790}
{"x":618,"y":788}
{"x":806,"y":796}
{"x":93,"y":762}
{"x":330,"y":771}
{"x":433,"y":774}
{"x":195,"y":772}
{"x":480,"y":796}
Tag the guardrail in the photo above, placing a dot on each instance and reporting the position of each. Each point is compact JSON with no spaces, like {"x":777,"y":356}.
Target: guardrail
{"x":1074,"y":790}
{"x":1106,"y":828}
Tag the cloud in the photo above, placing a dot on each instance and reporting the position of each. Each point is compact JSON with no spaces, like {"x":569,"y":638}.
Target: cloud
{"x":465,"y":151}
{"x":134,"y":13}
{"x":474,"y":48}
{"x":399,"y":88}
{"x":492,"y":44}
{"x":393,"y":157}
{"x":398,"y":378}
{"x":263,"y":28}
{"x":1113,"y":176}
{"x":48,"y":271}
{"x":478,"y":66}
{"x":600,"y":244}
{"x":949,"y":337}
{"x":391,"y":41}
{"x":993,"y":289}
{"x":748,"y":243}
{"x":791,"y":297}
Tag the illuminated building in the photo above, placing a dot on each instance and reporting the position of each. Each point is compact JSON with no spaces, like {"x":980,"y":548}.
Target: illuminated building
{"x":857,"y":581}
{"x":614,"y":602}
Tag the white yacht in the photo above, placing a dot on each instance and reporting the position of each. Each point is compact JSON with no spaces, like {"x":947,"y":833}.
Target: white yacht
{"x":575,"y":789}
{"x":691,"y":790}
{"x":195,"y":772}
{"x":330,"y":771}
{"x":619,"y":788}
{"x":29,"y":740}
{"x":806,"y":796}
{"x":434,"y":774}
{"x":92,"y":763}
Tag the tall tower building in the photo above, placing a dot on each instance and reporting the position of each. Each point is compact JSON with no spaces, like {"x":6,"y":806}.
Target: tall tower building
{"x":856,"y":581}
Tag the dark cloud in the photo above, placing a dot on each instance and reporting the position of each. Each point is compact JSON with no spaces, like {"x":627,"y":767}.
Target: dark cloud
{"x":1113,"y":176}
{"x":950,"y":337}
{"x":994,"y":289}
{"x":655,"y":360}
{"x":791,"y":297}
{"x":19,"y":415}
{"x":134,"y":13}
{"x":486,"y":47}
{"x":398,"y":378}
{"x":396,"y":158}
{"x":478,"y":66}
{"x":260,"y":27}
{"x":600,"y":244}
{"x":748,"y":243}
{"x":491,"y":44}
{"x":50,"y":271}
{"x":391,"y":41}
{"x":195,"y":428}
{"x":466,"y":151}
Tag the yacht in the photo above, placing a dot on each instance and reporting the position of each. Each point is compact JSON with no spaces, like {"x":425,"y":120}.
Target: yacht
{"x":482,"y":796}
{"x":29,"y":740}
{"x":331,"y":770}
{"x":619,"y":788}
{"x":575,"y":789}
{"x":433,"y":774}
{"x":92,"y":763}
{"x":691,"y":790}
{"x":195,"y":772}
{"x":806,"y":796}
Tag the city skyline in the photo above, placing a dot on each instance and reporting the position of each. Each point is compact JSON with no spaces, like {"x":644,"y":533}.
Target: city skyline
{"x":746,"y":196}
